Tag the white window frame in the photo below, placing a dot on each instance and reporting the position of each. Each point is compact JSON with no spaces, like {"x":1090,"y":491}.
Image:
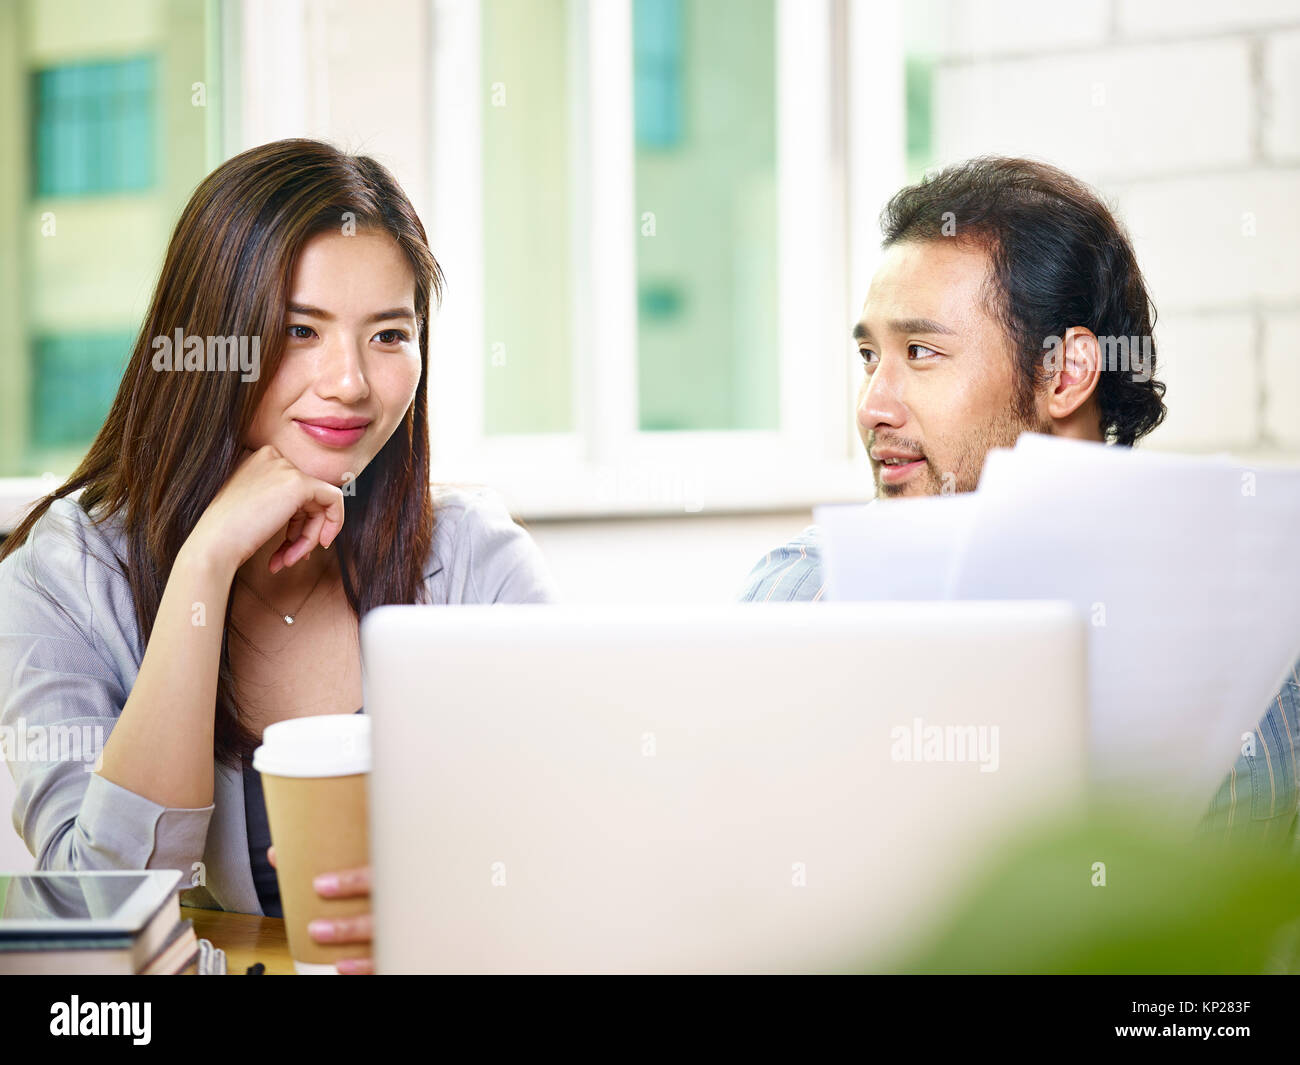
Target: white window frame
{"x":840,"y":155}
{"x":826,"y":239}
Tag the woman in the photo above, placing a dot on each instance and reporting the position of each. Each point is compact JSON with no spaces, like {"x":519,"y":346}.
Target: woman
{"x":234,"y":524}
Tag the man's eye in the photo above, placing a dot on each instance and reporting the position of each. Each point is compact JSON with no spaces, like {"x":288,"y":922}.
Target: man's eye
{"x":306,"y":329}
{"x":920,"y":347}
{"x":391,"y":336}
{"x":869,"y":357}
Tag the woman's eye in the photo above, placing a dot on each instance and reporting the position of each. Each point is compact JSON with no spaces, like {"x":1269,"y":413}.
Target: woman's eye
{"x":391,"y":336}
{"x":306,"y":334}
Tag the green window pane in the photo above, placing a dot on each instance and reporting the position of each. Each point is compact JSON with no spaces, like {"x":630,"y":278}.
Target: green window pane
{"x":920,"y":113}
{"x":657,"y":39}
{"x":76,"y":377}
{"x":93,"y":127}
{"x":705,"y":89}
{"x":528,"y":364}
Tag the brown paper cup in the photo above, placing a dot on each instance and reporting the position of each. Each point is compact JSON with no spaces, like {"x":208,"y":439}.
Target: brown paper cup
{"x":315,"y":772}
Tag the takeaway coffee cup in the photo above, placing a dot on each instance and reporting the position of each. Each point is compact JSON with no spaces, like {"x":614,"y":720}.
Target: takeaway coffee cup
{"x":314,"y":773}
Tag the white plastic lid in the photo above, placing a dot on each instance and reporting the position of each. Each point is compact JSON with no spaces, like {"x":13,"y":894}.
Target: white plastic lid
{"x":329,"y":745}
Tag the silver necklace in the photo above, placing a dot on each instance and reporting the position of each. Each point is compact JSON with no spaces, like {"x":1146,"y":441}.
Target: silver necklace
{"x":287,"y":618}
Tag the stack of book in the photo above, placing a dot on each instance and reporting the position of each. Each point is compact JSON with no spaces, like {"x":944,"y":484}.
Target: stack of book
{"x":95,"y":923}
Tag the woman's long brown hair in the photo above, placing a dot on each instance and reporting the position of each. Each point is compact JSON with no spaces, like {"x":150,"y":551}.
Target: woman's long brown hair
{"x":172,"y":439}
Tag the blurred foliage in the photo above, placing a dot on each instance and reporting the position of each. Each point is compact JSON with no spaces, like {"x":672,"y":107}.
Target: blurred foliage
{"x":1173,"y":902}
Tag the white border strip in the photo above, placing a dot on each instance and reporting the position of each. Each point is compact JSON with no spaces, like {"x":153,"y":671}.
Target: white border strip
{"x":613,"y":230}
{"x":457,"y":341}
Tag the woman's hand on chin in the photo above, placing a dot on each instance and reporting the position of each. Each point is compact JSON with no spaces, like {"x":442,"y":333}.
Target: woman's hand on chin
{"x":263,"y":496}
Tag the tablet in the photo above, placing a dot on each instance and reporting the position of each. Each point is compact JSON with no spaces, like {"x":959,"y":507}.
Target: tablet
{"x":84,"y":903}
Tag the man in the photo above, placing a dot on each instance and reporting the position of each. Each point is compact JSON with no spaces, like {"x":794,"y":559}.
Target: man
{"x":984,"y":262}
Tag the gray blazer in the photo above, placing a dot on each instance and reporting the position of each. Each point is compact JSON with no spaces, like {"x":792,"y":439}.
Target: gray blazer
{"x":66,"y":672}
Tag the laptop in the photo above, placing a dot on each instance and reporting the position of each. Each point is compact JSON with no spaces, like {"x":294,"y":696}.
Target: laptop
{"x":793,"y":787}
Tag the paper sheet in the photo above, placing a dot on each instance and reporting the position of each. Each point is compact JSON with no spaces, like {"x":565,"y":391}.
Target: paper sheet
{"x":923,"y":534}
{"x":1186,"y":568}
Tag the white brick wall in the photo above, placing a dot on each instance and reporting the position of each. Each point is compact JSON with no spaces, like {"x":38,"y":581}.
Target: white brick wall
{"x":1211,"y":368}
{"x":1104,"y":113}
{"x":1192,"y":237}
{"x":1149,"y":18}
{"x":1001,"y":27}
{"x":1185,"y":116}
{"x":1282,"y":371}
{"x":1282,"y":99}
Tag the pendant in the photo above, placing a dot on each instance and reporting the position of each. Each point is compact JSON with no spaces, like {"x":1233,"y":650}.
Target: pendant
{"x":288,"y":619}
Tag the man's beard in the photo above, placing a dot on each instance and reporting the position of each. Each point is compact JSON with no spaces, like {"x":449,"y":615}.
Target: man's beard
{"x":966,"y":458}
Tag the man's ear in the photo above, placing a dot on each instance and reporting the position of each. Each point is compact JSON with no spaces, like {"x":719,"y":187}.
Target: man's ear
{"x":1077,"y":366}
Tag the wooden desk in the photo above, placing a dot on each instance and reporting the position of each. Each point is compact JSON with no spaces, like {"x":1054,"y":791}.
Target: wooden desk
{"x":246,"y":939}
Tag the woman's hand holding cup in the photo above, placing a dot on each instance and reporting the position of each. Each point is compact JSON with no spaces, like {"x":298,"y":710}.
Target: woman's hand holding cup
{"x":350,"y":883}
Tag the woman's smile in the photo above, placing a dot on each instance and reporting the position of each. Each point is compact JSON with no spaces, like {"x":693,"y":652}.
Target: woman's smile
{"x":334,"y":432}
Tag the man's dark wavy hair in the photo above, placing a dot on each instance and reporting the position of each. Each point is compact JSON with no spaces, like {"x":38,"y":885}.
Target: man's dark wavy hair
{"x":1059,"y":259}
